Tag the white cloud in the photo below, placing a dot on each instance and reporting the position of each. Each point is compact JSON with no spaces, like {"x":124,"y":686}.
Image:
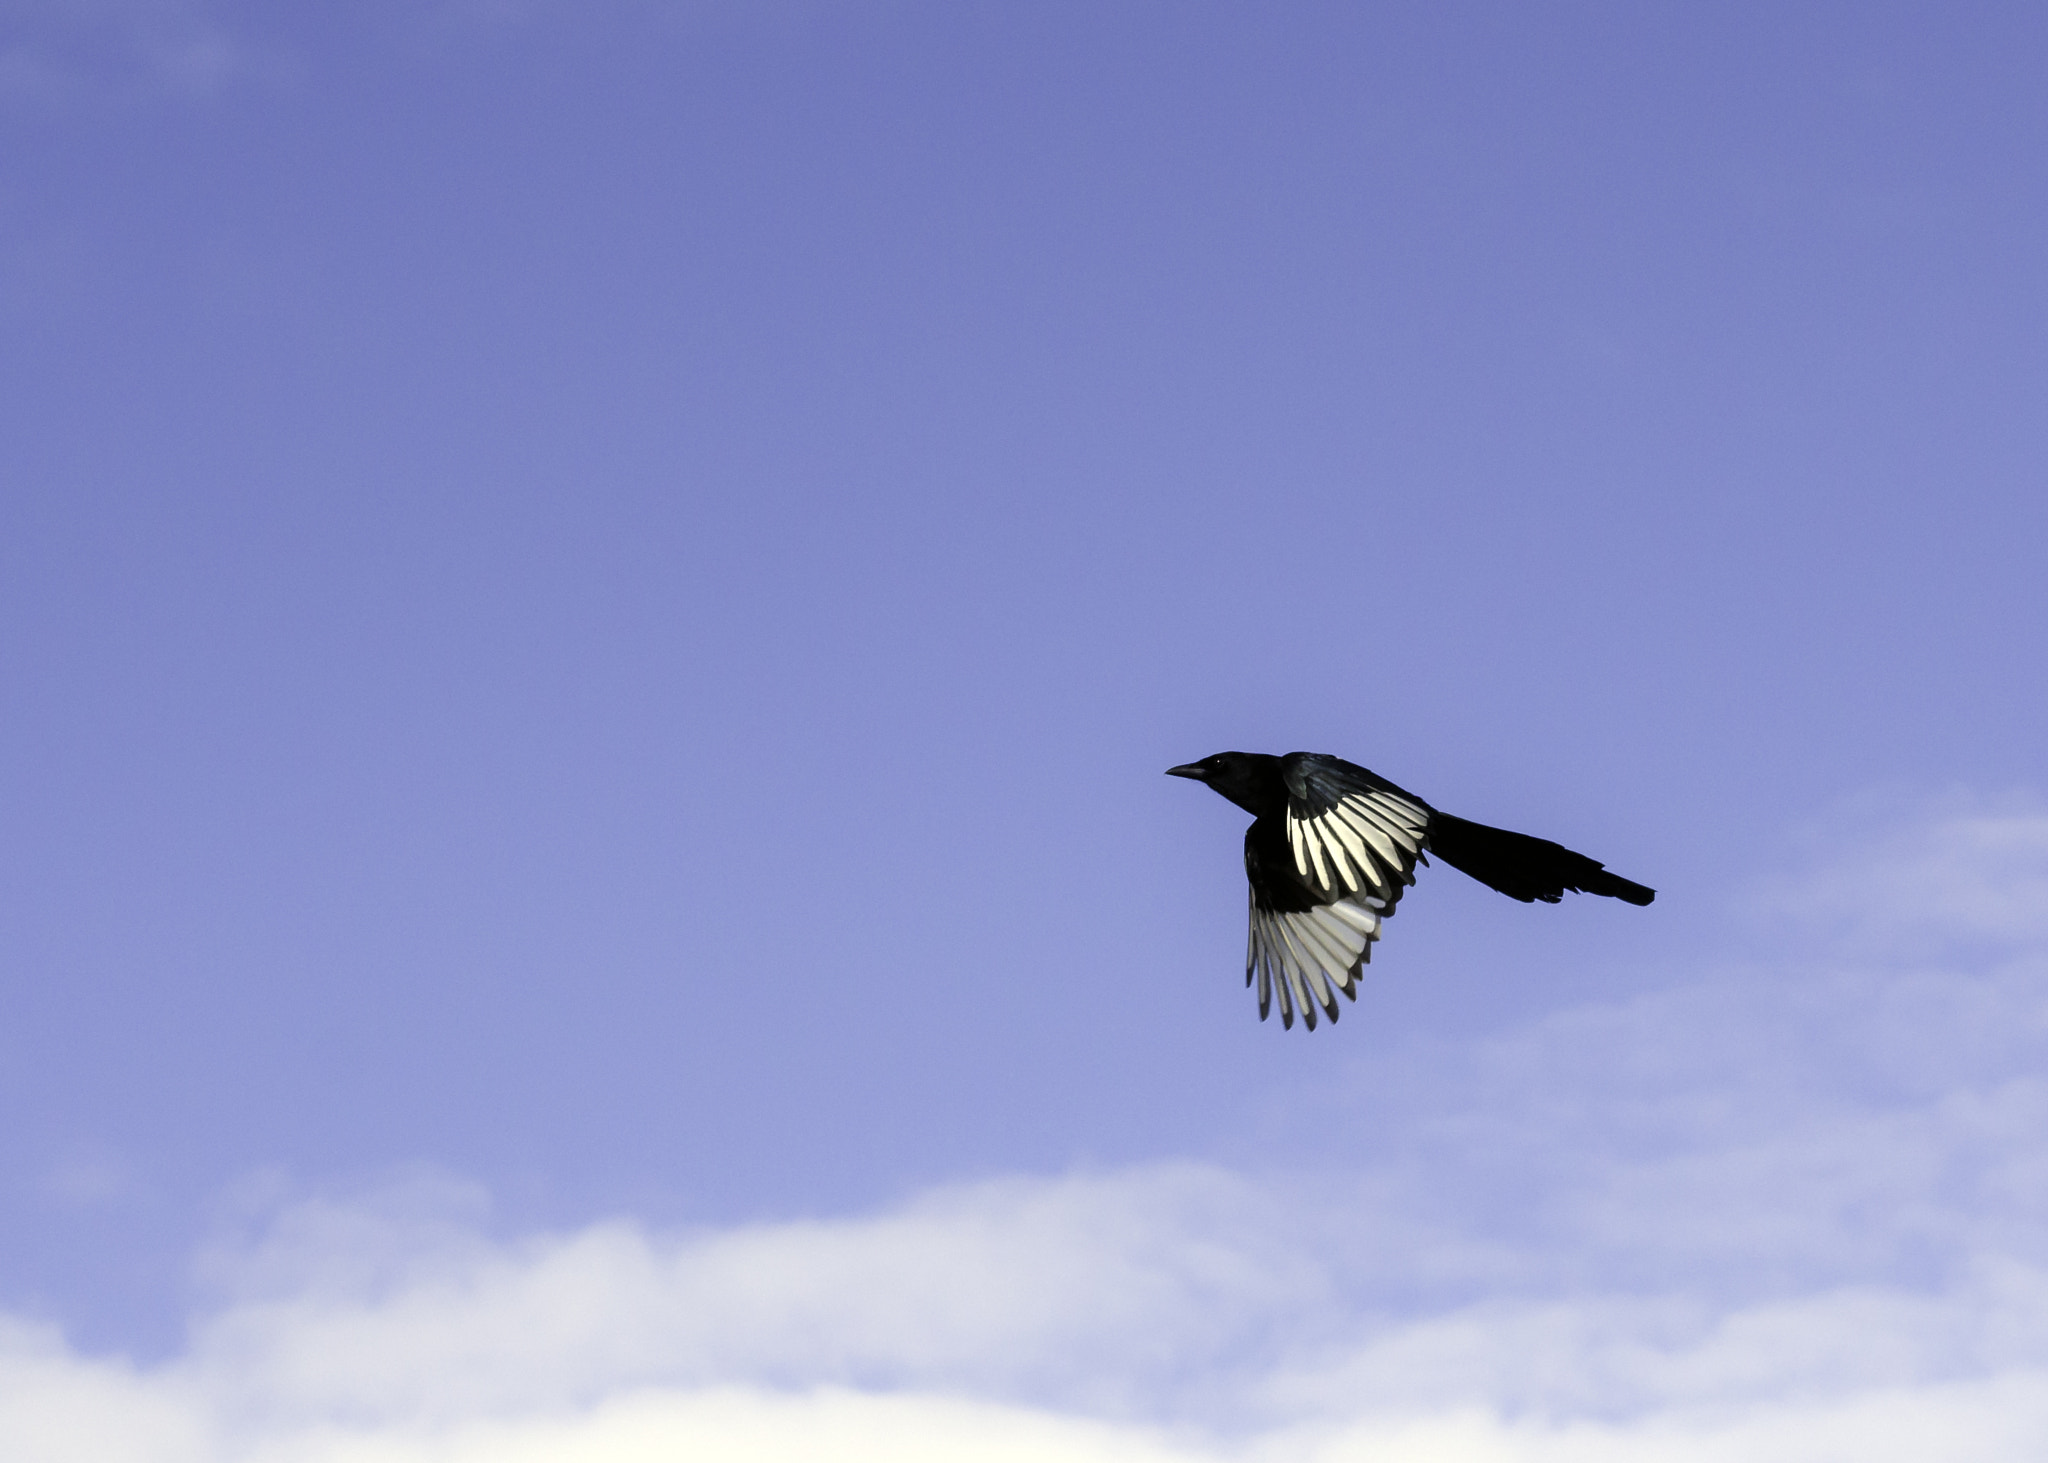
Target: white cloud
{"x":1792,"y":1213}
{"x":1014,"y":1288}
{"x":1959,"y":869}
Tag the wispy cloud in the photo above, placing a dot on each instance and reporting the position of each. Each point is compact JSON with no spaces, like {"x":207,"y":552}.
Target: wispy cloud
{"x":88,"y":1181}
{"x":1788,"y":1212}
{"x":1969,"y":869}
{"x":64,"y":51}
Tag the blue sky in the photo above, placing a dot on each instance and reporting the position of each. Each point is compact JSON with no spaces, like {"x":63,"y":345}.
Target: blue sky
{"x":593,"y":600}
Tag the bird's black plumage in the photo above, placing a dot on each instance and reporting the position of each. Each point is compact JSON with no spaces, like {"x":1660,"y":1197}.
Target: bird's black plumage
{"x":1331,"y":848}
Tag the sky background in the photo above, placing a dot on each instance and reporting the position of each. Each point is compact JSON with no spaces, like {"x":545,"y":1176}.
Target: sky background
{"x":592,"y":604}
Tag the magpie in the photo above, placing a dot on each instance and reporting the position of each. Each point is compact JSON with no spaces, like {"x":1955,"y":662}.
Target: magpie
{"x":1329,"y":851}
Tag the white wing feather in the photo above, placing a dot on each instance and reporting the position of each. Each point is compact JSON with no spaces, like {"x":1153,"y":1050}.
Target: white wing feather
{"x":1379,"y":833}
{"x":1298,"y":956}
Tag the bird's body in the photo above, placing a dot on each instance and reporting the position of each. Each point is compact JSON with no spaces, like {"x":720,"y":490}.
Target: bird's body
{"x":1330,"y":850}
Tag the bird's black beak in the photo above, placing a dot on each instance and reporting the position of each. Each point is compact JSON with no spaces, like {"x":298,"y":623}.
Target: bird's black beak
{"x":1192,"y":769}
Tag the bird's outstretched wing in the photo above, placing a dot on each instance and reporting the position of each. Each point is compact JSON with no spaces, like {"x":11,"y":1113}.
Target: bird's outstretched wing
{"x":1351,"y":832}
{"x":1323,"y":877}
{"x":1307,"y":955}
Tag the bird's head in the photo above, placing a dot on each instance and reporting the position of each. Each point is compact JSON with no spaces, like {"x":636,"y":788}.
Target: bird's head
{"x":1248,"y":779}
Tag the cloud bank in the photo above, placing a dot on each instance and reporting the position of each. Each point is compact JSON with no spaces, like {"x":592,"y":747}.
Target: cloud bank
{"x":1793,"y":1210}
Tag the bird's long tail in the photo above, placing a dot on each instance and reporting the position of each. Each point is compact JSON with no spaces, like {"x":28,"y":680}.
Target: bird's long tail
{"x":1522,"y":867}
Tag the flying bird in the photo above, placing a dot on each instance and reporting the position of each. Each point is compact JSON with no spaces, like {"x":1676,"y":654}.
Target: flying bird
{"x":1329,"y":851}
